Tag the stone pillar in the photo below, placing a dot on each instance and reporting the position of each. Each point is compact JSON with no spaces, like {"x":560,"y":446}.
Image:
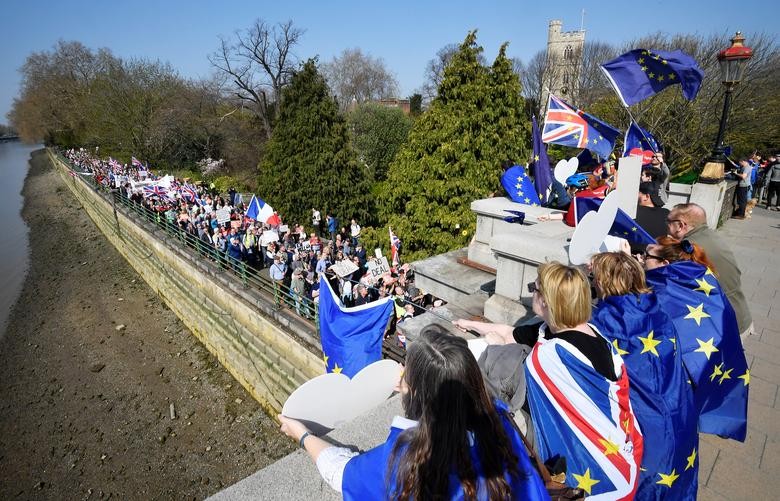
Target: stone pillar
{"x":710,"y":198}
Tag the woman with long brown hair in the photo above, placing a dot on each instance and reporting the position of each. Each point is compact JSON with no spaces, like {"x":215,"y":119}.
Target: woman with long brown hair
{"x":453,"y":443}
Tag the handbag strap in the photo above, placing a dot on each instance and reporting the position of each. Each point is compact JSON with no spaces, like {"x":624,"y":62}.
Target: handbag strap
{"x":543,"y":471}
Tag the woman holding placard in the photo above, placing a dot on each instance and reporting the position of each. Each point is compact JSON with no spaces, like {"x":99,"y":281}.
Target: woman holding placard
{"x":453,"y":442}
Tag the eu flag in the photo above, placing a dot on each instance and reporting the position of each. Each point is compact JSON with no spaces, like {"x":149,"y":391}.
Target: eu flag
{"x":660,"y":395}
{"x":351,"y":337}
{"x":641,"y":73}
{"x":709,"y":340}
{"x":623,"y":227}
{"x":542,"y":170}
{"x":638,"y":138}
{"x":568,"y":126}
{"x":518,"y":186}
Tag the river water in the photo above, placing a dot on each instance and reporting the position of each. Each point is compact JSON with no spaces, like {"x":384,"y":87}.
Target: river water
{"x":14,"y":251}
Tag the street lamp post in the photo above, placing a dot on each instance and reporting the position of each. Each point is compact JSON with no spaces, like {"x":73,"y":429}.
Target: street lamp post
{"x":733,"y":61}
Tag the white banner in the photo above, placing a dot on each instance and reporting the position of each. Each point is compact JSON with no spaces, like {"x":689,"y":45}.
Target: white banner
{"x":223,"y":215}
{"x":378,"y":267}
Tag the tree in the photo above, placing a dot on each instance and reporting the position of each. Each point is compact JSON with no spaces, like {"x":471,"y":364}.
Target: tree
{"x":259,"y":64}
{"x":434,"y":70}
{"x":308,"y":162}
{"x":453,"y":153}
{"x":357,"y":77}
{"x":377,"y":133}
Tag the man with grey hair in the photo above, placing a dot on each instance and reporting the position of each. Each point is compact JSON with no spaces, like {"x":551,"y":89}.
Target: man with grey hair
{"x":690,"y":221}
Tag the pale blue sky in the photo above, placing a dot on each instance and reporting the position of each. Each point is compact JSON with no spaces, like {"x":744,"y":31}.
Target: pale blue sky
{"x":406,"y":34}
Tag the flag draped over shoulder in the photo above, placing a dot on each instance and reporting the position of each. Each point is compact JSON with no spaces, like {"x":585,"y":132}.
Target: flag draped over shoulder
{"x":641,"y":73}
{"x":519,"y":187}
{"x":623,"y":227}
{"x":586,"y":418}
{"x":351,"y":337}
{"x":637,"y":140}
{"x":661,"y":397}
{"x":568,"y":126}
{"x":542,"y":170}
{"x":709,"y":340}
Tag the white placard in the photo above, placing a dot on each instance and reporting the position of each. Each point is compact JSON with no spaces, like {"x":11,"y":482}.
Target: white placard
{"x":591,"y":231}
{"x":284,"y":228}
{"x":629,"y":175}
{"x":378,"y":253}
{"x":344,"y":267}
{"x":330,"y":400}
{"x":223,"y":215}
{"x":378,"y":267}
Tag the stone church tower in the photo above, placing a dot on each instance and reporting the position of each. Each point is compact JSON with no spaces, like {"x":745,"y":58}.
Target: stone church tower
{"x":564,"y":62}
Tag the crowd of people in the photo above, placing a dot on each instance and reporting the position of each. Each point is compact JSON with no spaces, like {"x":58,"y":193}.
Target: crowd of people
{"x":294,"y":258}
{"x":757,"y":179}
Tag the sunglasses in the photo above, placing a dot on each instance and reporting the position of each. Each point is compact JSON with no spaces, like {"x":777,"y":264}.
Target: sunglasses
{"x":647,"y":256}
{"x":532,"y":288}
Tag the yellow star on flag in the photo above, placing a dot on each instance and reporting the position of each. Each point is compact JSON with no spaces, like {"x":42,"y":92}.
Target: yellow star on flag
{"x":609,"y":447}
{"x":617,"y":348}
{"x":633,"y":228}
{"x":716,"y":371}
{"x":645,"y":53}
{"x":644,"y":68}
{"x":704,"y":286}
{"x":587,"y":140}
{"x":709,"y":272}
{"x":337,"y":369}
{"x":576,"y":136}
{"x":745,"y":377}
{"x":649,"y":344}
{"x":670,"y":76}
{"x":673,"y":341}
{"x":660,"y":78}
{"x":691,"y":460}
{"x":520,"y":194}
{"x":664,"y":61}
{"x":325,"y":357}
{"x":536,"y":158}
{"x":527,"y":200}
{"x":584,"y":481}
{"x":707,"y":348}
{"x":641,"y":60}
{"x":726,"y":375}
{"x":651,"y":75}
{"x":625,"y":424}
{"x":669,"y":479}
{"x":696,"y":313}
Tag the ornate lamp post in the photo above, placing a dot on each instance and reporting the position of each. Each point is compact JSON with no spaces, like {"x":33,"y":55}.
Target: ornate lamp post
{"x":733,"y":61}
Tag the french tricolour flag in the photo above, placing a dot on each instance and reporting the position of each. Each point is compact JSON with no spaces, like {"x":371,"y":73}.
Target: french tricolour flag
{"x":259,"y":210}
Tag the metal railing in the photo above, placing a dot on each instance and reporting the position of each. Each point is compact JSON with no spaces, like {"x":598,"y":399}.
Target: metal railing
{"x":282,"y":294}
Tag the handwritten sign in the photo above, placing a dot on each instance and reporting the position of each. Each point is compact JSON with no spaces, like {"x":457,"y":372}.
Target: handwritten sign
{"x":378,"y":267}
{"x":344,"y":268}
{"x":223,"y":215}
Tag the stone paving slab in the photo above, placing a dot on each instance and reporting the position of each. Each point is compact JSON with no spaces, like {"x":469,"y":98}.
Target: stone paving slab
{"x":730,"y":470}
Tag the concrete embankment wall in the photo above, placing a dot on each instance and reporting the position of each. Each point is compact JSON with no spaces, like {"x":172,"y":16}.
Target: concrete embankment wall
{"x":266,"y":350}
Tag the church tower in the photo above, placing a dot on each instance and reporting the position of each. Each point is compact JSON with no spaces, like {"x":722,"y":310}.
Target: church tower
{"x":564,"y":61}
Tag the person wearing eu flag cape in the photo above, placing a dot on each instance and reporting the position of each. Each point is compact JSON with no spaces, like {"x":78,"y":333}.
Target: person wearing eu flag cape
{"x":685,"y":281}
{"x":453,"y":443}
{"x":630,"y":316}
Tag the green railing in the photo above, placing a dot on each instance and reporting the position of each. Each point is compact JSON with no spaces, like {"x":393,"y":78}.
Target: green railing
{"x":282,"y":295}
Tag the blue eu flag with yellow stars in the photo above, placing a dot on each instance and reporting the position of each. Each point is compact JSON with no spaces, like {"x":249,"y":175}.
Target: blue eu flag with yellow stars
{"x":351,"y":337}
{"x":641,"y":73}
{"x":711,"y":348}
{"x":646,"y":338}
{"x":624,"y":225}
{"x":519,"y":187}
{"x":638,"y":138}
{"x":542,"y":171}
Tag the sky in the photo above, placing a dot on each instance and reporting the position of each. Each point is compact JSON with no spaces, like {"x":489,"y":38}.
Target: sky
{"x":405,"y":34}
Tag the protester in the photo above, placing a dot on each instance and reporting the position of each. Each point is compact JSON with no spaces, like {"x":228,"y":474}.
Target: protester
{"x":632,"y":317}
{"x":663,"y":173}
{"x":650,"y":214}
{"x":772,"y":177}
{"x":689,"y":221}
{"x":682,"y":276}
{"x":741,"y":197}
{"x":452,"y":443}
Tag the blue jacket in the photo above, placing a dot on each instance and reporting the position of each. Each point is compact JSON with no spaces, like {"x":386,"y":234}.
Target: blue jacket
{"x":365,"y":475}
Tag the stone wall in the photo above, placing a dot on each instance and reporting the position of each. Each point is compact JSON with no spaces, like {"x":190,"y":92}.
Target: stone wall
{"x":267,"y":350}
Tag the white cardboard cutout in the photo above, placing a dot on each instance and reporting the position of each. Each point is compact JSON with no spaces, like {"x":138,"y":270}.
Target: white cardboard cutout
{"x":269,"y":236}
{"x":330,"y":400}
{"x":628,"y":177}
{"x":566,"y":168}
{"x":592,"y":230}
{"x":477,"y":347}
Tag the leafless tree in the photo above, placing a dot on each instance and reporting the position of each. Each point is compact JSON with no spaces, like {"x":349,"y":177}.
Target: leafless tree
{"x":259,"y":62}
{"x":354,"y":76}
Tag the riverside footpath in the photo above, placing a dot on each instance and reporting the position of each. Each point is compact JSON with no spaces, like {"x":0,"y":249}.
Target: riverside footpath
{"x":730,"y":470}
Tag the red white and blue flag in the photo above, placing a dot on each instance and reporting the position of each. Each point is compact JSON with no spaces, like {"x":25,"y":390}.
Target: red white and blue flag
{"x":568,"y":126}
{"x":189,"y":193}
{"x":586,"y":418}
{"x":155,"y":191}
{"x":395,"y":247}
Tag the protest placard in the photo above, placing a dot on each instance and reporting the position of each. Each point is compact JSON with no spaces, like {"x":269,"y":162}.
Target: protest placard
{"x":223,"y":215}
{"x":344,"y":268}
{"x":378,"y":267}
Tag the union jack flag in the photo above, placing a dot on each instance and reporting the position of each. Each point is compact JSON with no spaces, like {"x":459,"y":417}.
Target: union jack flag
{"x":584,"y":417}
{"x":155,"y":191}
{"x":136,"y":163}
{"x":189,"y":193}
{"x":568,"y":126}
{"x":395,"y":246}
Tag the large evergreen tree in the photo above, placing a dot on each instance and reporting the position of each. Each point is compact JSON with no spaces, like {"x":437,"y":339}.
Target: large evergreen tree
{"x":454,"y":153}
{"x":308,"y":161}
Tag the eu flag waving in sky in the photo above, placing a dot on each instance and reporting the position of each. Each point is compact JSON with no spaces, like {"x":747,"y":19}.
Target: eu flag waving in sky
{"x":351,"y":337}
{"x":641,"y":73}
{"x":638,"y":138}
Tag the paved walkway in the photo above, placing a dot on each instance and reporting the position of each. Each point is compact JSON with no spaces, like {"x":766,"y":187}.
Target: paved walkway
{"x":751,"y":470}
